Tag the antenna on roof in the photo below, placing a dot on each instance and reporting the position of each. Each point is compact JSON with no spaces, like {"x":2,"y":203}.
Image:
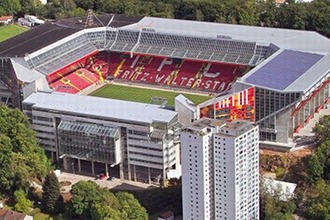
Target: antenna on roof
{"x":90,"y":18}
{"x":113,"y":16}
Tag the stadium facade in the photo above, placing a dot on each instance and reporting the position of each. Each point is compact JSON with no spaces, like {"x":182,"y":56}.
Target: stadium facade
{"x":277,"y":78}
{"x":91,"y":135}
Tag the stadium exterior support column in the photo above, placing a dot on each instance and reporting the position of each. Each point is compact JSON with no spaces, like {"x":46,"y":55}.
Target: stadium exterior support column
{"x":134,"y":172}
{"x":93,"y":171}
{"x":164,"y":178}
{"x":79,"y":166}
{"x":106,"y":170}
{"x":149,"y":175}
{"x":65,"y":163}
{"x":121,"y":171}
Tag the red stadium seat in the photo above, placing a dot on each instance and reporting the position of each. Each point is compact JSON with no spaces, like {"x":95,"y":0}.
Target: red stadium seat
{"x":212,"y":77}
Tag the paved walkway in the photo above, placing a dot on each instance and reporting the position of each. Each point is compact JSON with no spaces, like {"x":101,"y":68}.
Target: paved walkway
{"x":306,"y":136}
{"x":115,"y":184}
{"x":308,"y":129}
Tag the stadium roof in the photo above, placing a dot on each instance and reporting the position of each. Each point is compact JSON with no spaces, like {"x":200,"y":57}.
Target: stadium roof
{"x":286,"y":70}
{"x":102,"y":107}
{"x":23,"y":73}
{"x":283,"y":38}
{"x":33,"y":40}
{"x":50,"y":32}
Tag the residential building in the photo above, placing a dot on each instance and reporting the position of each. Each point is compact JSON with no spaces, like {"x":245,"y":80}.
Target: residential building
{"x":6,"y":19}
{"x":168,"y":215}
{"x":6,"y":214}
{"x":220,"y":170}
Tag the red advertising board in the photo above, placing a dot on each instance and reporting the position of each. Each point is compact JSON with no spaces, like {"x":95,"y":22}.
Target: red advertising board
{"x":240,"y":105}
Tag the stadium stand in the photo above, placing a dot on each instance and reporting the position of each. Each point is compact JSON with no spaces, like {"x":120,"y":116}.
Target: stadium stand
{"x":164,"y":71}
{"x":282,"y":66}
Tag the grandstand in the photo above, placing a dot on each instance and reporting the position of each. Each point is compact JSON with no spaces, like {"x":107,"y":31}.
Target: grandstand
{"x":277,"y":78}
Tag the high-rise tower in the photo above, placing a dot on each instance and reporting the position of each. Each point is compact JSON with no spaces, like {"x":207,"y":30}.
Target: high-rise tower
{"x":220,"y":170}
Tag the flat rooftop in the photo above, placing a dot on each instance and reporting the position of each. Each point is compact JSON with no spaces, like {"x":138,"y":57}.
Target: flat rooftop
{"x":205,"y":125}
{"x":100,"y":107}
{"x":286,"y":68}
{"x":283,"y":38}
{"x":43,"y":35}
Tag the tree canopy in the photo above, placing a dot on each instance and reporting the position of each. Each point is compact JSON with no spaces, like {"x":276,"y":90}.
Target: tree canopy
{"x":51,"y":193}
{"x":90,"y":201}
{"x":322,"y":129}
{"x":273,"y":207}
{"x":21,"y":157}
{"x":292,"y":14}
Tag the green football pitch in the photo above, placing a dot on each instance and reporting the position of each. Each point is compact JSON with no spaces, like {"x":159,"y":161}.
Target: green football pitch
{"x":144,"y":95}
{"x":11,"y":30}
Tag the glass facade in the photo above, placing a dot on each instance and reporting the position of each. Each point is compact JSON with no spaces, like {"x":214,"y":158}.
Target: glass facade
{"x":268,"y":104}
{"x":88,"y":141}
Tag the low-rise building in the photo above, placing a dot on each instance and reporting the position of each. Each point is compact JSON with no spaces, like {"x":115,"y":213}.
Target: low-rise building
{"x":6,"y":19}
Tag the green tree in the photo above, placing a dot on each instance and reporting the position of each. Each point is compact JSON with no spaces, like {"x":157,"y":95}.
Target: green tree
{"x":322,"y":129}
{"x":10,"y":6}
{"x":100,"y":211}
{"x":22,"y":203}
{"x":84,"y":195}
{"x":292,"y":15}
{"x":267,"y":13}
{"x":89,"y":201}
{"x":319,"y":202}
{"x":319,"y":163}
{"x":273,"y":207}
{"x":131,"y":208}
{"x":318,"y":18}
{"x":21,"y":156}
{"x":315,"y":168}
{"x":51,"y":193}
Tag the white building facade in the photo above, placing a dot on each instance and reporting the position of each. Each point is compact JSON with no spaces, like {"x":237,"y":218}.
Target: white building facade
{"x":89,"y":135}
{"x":220,"y":170}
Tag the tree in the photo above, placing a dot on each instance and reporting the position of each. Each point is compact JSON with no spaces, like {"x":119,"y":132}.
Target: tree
{"x":322,"y":129}
{"x":51,"y":193}
{"x":21,"y":156}
{"x":22,"y":203}
{"x":131,"y":208}
{"x":267,"y":13}
{"x":10,"y":6}
{"x":319,"y":163}
{"x":315,"y":168}
{"x":273,"y":207}
{"x":84,"y":195}
{"x":100,"y":211}
{"x":319,"y":203}
{"x":318,"y":18}
{"x":89,"y":201}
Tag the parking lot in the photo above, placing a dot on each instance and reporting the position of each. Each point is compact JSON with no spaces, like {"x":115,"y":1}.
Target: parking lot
{"x":116,"y":184}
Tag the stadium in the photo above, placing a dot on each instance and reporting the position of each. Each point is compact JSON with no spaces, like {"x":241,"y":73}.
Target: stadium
{"x":181,"y":70}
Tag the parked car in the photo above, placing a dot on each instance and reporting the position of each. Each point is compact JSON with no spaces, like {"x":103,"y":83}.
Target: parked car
{"x":111,"y":178}
{"x":101,"y":176}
